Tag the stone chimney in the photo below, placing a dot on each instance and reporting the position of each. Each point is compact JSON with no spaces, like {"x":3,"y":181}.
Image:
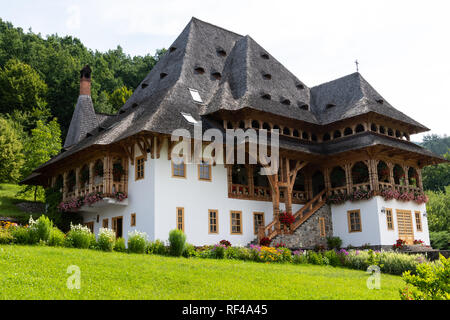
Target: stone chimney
{"x":85,"y":81}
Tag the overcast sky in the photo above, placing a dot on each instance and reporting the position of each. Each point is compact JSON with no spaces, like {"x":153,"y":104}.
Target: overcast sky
{"x":403,"y":47}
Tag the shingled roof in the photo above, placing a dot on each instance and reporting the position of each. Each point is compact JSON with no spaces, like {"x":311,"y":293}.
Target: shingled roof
{"x":230,"y":72}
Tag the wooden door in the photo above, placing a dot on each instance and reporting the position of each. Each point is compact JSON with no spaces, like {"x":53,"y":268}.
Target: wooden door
{"x":405,"y":226}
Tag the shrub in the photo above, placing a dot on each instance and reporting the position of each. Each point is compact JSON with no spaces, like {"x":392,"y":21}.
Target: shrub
{"x":430,"y":283}
{"x":299,"y":257}
{"x":440,"y":240}
{"x":397,"y":263}
{"x":238,"y":253}
{"x":280,"y":245}
{"x":270,"y":254}
{"x":5,"y":236}
{"x":56,"y":238}
{"x":119,"y":245}
{"x":265,"y":242}
{"x":106,"y":239}
{"x":43,"y":227}
{"x":177,"y":241}
{"x":333,"y":258}
{"x":226,"y":243}
{"x":79,"y":236}
{"x":218,"y":251}
{"x":334,"y":242}
{"x":189,"y":251}
{"x":157,"y":247}
{"x":21,"y":235}
{"x":137,"y":241}
{"x":314,"y":257}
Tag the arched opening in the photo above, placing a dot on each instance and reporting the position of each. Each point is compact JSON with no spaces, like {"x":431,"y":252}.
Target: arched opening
{"x":98,"y":168}
{"x":326,"y":137}
{"x":398,"y":134}
{"x":118,"y":170}
{"x":266,"y":126}
{"x":359,"y":128}
{"x":337,"y":177}
{"x":286,"y":131}
{"x":84,"y":176}
{"x":276,"y":127}
{"x":313,"y":137}
{"x":229,"y":125}
{"x":413,"y":177}
{"x":382,"y":130}
{"x":255,"y":124}
{"x":373,"y":127}
{"x":360,"y":173}
{"x":406,"y":136}
{"x":239,"y":174}
{"x":337,"y":134}
{"x":318,"y":182}
{"x":241,"y":124}
{"x":399,"y":175}
{"x":259,"y":180}
{"x":390,"y":132}
{"x":383,"y":172}
{"x":348,"y":131}
{"x":71,"y":181}
{"x":59,"y":183}
{"x":299,"y":184}
{"x":296,"y":133}
{"x":305,"y":135}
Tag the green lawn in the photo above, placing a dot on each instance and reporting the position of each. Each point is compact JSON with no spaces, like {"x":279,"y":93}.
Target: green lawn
{"x":34,"y":272}
{"x":8,"y":201}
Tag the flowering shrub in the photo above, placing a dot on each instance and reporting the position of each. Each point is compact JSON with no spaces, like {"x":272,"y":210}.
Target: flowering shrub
{"x":71,"y":205}
{"x":137,"y":241}
{"x":39,"y":229}
{"x":299,"y":257}
{"x":120,"y":196}
{"x":399,"y":244}
{"x":218,"y":251}
{"x":406,"y":196}
{"x":5,"y":236}
{"x":270,"y":254}
{"x":419,"y":242}
{"x":280,"y":245}
{"x":265,"y":241}
{"x":361,"y":195}
{"x":226,"y":243}
{"x":286,"y":218}
{"x":79,"y":236}
{"x":389,"y":194}
{"x":7,"y":224}
{"x":92,"y":198}
{"x":106,"y":239}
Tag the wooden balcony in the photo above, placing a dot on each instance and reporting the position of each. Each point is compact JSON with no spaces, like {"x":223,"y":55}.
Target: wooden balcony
{"x":240,"y":191}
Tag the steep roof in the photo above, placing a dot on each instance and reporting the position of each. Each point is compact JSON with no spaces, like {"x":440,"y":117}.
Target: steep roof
{"x":230,"y":72}
{"x":83,"y":121}
{"x":351,"y":96}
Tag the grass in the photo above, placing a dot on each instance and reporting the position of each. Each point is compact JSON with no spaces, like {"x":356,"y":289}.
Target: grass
{"x":37,"y":272}
{"x":8,"y":201}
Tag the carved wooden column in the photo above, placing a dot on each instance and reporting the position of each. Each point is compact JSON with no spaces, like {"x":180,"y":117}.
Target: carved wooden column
{"x":250,"y":182}
{"x":77,"y":182}
{"x":286,"y":179}
{"x":124,"y":177}
{"x":327,"y":178}
{"x":375,"y":174}
{"x":107,"y":175}
{"x":91,"y":176}
{"x":390,"y":166}
{"x":229,"y":177}
{"x":405,"y":172}
{"x":348,"y":177}
{"x":419,"y":179}
{"x":64,"y":185}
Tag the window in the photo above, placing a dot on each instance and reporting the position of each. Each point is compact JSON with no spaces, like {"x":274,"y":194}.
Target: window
{"x":90,"y":225}
{"x":133,"y":220}
{"x":354,"y":221}
{"x":105,"y":223}
{"x":180,"y":219}
{"x":389,"y":219}
{"x":195,"y":95}
{"x":213,"y":221}
{"x":236,"y":222}
{"x":418,"y":221}
{"x":189,"y":118}
{"x":179,"y":170}
{"x":322,"y":226}
{"x":139,"y":170}
{"x":258,"y":221}
{"x":204,"y":171}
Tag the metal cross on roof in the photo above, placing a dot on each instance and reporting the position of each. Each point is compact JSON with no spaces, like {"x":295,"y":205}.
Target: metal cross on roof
{"x":357,"y":64}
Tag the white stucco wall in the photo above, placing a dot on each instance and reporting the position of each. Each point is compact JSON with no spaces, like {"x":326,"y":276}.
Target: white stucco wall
{"x":374,"y":223}
{"x":154,"y":201}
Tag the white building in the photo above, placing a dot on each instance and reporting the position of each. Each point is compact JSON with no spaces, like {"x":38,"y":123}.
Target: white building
{"x":339,"y":141}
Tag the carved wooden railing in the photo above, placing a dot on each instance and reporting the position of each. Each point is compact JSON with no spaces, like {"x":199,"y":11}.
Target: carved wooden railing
{"x":337,"y":190}
{"x":270,"y":231}
{"x":361,"y":186}
{"x":242,"y":191}
{"x":308,"y":210}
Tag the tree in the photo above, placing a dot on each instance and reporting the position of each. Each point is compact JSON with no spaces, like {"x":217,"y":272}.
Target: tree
{"x":43,"y":143}
{"x":438,"y":210}
{"x":11,"y":157}
{"x":437,"y":144}
{"x":437,"y":177}
{"x":118,"y":98}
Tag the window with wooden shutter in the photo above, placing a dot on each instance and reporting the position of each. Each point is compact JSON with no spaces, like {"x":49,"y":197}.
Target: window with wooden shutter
{"x":354,"y":221}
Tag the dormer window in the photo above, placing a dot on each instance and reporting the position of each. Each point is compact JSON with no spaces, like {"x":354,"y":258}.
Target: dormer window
{"x":266,"y":96}
{"x":330,"y":105}
{"x":221,"y":52}
{"x":216,"y":75}
{"x":144,"y":85}
{"x":195,"y":95}
{"x":265,"y":56}
{"x":267,"y":76}
{"x":189,"y":118}
{"x":172,"y":49}
{"x":134,"y":105}
{"x":380,"y":101}
{"x":286,"y":102}
{"x":300,"y":86}
{"x":162,"y":75}
{"x":199,"y":70}
{"x":303,"y":106}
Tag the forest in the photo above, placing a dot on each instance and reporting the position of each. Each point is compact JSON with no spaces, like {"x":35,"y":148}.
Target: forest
{"x":39,"y":87}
